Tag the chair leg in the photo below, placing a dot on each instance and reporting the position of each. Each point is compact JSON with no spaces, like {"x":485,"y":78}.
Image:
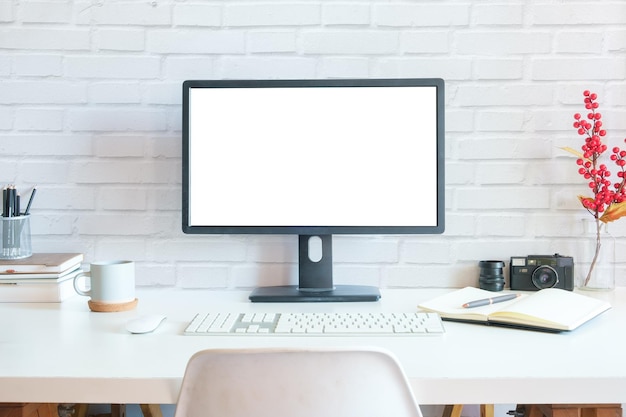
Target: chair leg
{"x":452,"y":410}
{"x":151,"y":410}
{"x":486,"y":410}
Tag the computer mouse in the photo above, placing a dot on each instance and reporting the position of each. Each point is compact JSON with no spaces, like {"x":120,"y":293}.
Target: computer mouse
{"x":145,"y":324}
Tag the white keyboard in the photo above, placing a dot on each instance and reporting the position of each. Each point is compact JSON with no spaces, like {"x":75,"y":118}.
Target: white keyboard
{"x":316,"y":324}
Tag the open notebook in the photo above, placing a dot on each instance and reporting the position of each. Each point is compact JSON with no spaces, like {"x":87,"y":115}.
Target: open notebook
{"x":550,"y":309}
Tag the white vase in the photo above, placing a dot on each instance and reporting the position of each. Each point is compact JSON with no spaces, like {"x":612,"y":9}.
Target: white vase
{"x":595,"y":270}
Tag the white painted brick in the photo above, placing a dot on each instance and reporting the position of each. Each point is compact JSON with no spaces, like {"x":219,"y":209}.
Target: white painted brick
{"x":499,"y":68}
{"x":5,"y":65}
{"x":579,"y":42}
{"x":616,"y":40}
{"x":501,"y":225}
{"x":197,"y":15}
{"x":118,"y":146}
{"x":584,"y":13}
{"x":7,"y":117}
{"x":500,"y":173}
{"x":274,"y":249}
{"x":112,"y":67}
{"x":350,"y":42}
{"x":426,"y":276}
{"x":188,"y":68}
{"x":38,"y":65}
{"x":271,"y":14}
{"x":357,"y":275}
{"x":115,"y":120}
{"x":616,"y":96}
{"x":151,"y":275}
{"x":128,"y":224}
{"x":427,"y":251}
{"x":64,"y":198}
{"x":49,"y":146}
{"x":47,"y":225}
{"x":45,"y":12}
{"x":499,"y":94}
{"x":6,"y":11}
{"x":421,"y":15}
{"x":119,"y":39}
{"x":503,"y":198}
{"x":42,"y":92}
{"x":365,"y":250}
{"x":163,"y":199}
{"x":214,"y":277}
{"x":446,"y":68}
{"x":459,"y":224}
{"x":39,"y":119}
{"x":264,"y":42}
{"x":459,"y":121}
{"x":121,"y":171}
{"x":344,"y":67}
{"x":266,"y":67}
{"x":346,"y":14}
{"x":564,"y":69}
{"x":163,"y":93}
{"x":503,"y":42}
{"x":425,"y":42}
{"x":460,"y":172}
{"x":196,"y":42}
{"x":26,"y":38}
{"x":124,"y":171}
{"x":505,"y":148}
{"x":164,"y":147}
{"x":107,"y":92}
{"x":126,"y":13}
{"x":198,"y":248}
{"x":500,"y":121}
{"x":498,"y":14}
{"x":500,"y":249}
{"x":118,"y":198}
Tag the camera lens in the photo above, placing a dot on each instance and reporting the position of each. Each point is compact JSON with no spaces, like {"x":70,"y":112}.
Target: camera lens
{"x":545,"y":277}
{"x":491,"y":275}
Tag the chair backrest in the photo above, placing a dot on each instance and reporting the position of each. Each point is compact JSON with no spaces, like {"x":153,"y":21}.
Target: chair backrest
{"x":295,"y":383}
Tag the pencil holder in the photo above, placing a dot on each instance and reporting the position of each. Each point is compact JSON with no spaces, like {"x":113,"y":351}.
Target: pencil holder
{"x":15,"y":242}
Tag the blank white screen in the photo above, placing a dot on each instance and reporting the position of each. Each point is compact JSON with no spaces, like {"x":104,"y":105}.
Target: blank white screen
{"x":313,"y":156}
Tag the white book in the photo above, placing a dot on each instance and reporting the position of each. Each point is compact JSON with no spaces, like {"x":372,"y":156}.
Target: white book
{"x":39,"y":276}
{"x":550,"y":309}
{"x":50,"y":290}
{"x":41,"y":263}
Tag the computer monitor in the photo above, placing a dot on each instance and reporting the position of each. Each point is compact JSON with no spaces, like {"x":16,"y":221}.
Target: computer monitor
{"x":313,"y":158}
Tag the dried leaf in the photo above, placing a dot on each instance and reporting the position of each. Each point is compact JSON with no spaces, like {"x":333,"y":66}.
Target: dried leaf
{"x":614,"y":212}
{"x":582,"y":199}
{"x":575,"y":152}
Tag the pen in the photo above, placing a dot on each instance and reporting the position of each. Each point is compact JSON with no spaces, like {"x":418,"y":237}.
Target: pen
{"x":487,"y":301}
{"x":30,"y":200}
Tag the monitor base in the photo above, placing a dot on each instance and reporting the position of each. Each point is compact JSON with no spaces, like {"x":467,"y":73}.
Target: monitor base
{"x":292,"y":294}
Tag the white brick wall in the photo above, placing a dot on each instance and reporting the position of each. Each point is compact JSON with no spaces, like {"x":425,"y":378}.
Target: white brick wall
{"x":90,"y":95}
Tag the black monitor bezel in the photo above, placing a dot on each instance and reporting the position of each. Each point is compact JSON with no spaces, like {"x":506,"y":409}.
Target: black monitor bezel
{"x":306,"y":229}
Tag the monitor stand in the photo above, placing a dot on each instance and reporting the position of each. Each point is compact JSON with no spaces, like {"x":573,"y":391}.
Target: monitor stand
{"x":315,"y":278}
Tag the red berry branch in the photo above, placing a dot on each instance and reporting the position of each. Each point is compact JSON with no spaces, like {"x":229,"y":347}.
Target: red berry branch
{"x":608,"y":202}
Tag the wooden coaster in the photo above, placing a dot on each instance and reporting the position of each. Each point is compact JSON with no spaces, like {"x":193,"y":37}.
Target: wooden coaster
{"x":111,"y":307}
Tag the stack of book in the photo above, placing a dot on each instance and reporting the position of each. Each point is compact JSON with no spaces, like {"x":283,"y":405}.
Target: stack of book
{"x":42,"y":277}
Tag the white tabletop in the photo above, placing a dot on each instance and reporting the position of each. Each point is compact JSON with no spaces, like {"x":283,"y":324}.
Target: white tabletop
{"x":65,"y":353}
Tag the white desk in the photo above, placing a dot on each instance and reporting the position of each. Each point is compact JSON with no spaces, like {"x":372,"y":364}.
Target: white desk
{"x":65,"y":353}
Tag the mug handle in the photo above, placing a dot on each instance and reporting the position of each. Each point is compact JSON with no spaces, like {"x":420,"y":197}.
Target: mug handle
{"x":79,"y":290}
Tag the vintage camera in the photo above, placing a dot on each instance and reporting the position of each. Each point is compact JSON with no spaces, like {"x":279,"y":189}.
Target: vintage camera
{"x":536,"y":272}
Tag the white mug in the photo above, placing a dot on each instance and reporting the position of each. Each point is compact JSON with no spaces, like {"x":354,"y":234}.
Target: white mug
{"x":111,"y":282}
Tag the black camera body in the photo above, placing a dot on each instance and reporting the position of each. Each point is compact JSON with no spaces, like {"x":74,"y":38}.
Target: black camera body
{"x":536,"y":272}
